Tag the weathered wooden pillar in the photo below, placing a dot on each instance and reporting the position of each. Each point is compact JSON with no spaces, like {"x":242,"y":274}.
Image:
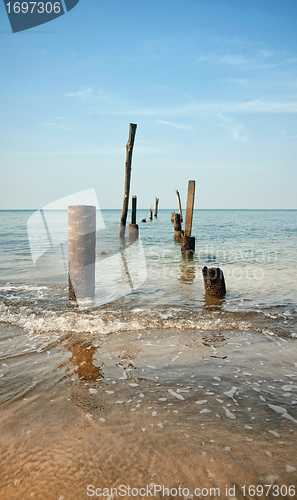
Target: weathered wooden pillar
{"x":188,"y":241}
{"x":179,"y":205}
{"x":151,"y":214}
{"x":133,"y":227}
{"x":156,"y":207}
{"x":177,"y":228}
{"x":81,"y":251}
{"x":128,"y":168}
{"x":214,"y":281}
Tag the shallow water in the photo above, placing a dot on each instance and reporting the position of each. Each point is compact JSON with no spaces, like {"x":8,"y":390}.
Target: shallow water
{"x":160,"y":386}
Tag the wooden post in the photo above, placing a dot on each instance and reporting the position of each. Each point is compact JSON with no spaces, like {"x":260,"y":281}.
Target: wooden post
{"x":179,"y":205}
{"x":188,"y":241}
{"x":214,"y":282}
{"x":190,"y":207}
{"x":151,"y":214}
{"x":133,"y":209}
{"x":133,"y":227}
{"x":156,"y":207}
{"x":172,"y":216}
{"x":177,"y":228}
{"x":81,"y":251}
{"x":128,"y":167}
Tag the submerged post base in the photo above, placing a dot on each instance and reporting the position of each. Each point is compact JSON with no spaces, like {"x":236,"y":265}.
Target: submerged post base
{"x":187,"y":246}
{"x":177,"y":228}
{"x":133,"y":232}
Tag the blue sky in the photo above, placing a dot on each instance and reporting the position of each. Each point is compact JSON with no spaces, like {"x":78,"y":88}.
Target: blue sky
{"x":212,"y":85}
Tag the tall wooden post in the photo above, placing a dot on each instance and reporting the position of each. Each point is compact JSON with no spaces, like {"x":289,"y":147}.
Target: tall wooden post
{"x":81,"y":251}
{"x":133,"y":227}
{"x":179,"y":205}
{"x":190,"y":207}
{"x":128,"y":167}
{"x":188,"y":241}
{"x":156,"y":207}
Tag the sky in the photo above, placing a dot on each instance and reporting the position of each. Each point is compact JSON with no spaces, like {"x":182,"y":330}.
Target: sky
{"x":211,"y":85}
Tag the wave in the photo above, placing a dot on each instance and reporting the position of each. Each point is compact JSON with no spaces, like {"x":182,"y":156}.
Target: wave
{"x":104,"y":322}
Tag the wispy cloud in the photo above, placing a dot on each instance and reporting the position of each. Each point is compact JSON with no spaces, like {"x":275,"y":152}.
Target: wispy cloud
{"x":254,"y":106}
{"x":176,"y":125}
{"x":219,"y":58}
{"x":238,"y":132}
{"x":61,"y":124}
{"x":89,"y":94}
{"x":233,"y":60}
{"x":287,"y":135}
{"x":266,"y":53}
{"x":109,"y":151}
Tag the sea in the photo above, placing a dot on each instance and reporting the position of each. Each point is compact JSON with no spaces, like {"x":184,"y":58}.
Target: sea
{"x":152,"y":384}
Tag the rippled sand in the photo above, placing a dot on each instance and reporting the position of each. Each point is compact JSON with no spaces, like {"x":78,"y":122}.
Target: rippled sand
{"x":172,"y":408}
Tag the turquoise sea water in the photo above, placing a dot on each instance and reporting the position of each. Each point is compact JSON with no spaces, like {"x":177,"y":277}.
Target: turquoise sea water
{"x":256,"y":250}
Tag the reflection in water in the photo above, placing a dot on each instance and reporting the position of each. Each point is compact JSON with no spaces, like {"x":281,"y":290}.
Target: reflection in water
{"x":213,"y":303}
{"x":82,"y":360}
{"x":127,"y":356}
{"x":187,"y":272}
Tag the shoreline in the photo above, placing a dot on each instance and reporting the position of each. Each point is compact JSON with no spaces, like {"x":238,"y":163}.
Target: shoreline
{"x":172,"y":408}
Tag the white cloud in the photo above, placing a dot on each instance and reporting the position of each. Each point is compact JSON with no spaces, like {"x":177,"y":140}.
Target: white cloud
{"x":238,"y":132}
{"x":266,"y":53}
{"x":89,"y":94}
{"x":176,"y":125}
{"x":108,"y":151}
{"x":233,"y":60}
{"x":62,"y":124}
{"x":225,"y":107}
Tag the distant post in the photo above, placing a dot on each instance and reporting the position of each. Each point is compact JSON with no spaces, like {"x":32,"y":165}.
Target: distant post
{"x":188,"y":241}
{"x":179,"y":205}
{"x":151,"y":214}
{"x":81,"y":251}
{"x":133,"y":227}
{"x":177,"y":228}
{"x":128,"y":167}
{"x":156,"y":207}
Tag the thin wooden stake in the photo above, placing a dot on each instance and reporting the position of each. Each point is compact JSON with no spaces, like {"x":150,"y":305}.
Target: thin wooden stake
{"x":179,"y":205}
{"x":133,"y":227}
{"x":190,"y":207}
{"x":151,"y":214}
{"x":133,"y":210}
{"x":177,"y":228}
{"x":156,"y":207}
{"x":128,"y":167}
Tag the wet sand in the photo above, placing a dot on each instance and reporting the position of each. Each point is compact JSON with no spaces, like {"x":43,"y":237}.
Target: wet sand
{"x":181,"y":409}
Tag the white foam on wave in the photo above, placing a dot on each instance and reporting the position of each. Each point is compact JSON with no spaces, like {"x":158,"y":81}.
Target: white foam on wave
{"x":103,"y":322}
